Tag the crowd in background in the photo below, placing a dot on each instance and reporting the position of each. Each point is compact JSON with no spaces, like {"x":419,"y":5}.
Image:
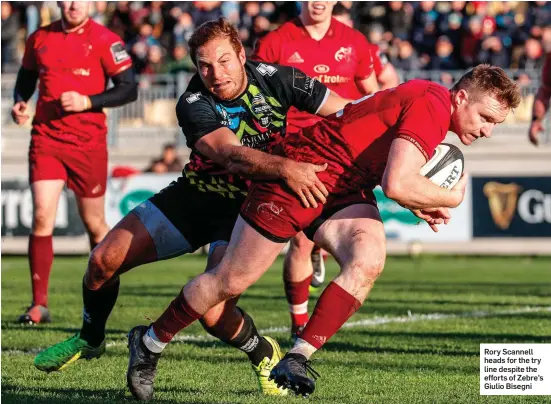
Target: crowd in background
{"x":424,"y":35}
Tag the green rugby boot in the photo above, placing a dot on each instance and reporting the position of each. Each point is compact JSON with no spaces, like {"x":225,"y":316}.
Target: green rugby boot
{"x":262,"y":371}
{"x":61,"y":355}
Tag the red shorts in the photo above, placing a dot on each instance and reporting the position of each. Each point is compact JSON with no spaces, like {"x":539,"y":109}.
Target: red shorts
{"x":84,"y":171}
{"x":274,"y":211}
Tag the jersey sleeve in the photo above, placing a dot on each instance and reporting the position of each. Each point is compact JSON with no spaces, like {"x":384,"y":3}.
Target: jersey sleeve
{"x":378,"y":62}
{"x":546,"y":72}
{"x":113,"y":54}
{"x":300,"y":90}
{"x":29,"y":57}
{"x":268,"y":48}
{"x":196,"y":116}
{"x":425,"y":122}
{"x":365,"y":58}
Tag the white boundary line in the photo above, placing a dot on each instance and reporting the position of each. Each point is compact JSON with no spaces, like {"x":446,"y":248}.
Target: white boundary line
{"x":370,"y":322}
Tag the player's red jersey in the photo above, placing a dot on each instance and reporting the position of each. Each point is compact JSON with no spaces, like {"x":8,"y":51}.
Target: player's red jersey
{"x":379,"y":59}
{"x":546,"y":73}
{"x":361,"y":135}
{"x":80,"y":61}
{"x":340,"y":58}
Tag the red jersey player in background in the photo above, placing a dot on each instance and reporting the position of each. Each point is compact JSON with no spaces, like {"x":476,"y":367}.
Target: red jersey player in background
{"x":541,"y":103}
{"x":386,"y":74}
{"x":72,"y":58}
{"x":339,"y":57}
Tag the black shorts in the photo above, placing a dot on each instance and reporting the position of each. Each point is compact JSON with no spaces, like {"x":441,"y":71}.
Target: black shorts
{"x":190,"y":213}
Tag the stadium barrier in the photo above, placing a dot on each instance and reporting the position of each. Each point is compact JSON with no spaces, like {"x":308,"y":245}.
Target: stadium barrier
{"x":500,"y":215}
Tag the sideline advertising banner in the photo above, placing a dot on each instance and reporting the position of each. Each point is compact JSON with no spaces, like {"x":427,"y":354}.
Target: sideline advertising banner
{"x":123,"y":194}
{"x":17,"y":211}
{"x":511,"y":206}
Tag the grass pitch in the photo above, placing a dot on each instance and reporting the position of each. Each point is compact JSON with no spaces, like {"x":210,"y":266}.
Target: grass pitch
{"x":416,"y":339}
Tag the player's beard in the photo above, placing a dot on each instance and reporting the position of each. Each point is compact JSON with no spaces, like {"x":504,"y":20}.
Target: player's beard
{"x":232,"y":92}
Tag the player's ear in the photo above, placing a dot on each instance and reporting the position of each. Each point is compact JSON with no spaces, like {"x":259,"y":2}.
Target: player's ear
{"x":242,"y":56}
{"x":461,"y":97}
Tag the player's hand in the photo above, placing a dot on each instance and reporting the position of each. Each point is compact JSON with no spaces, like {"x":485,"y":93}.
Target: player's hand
{"x":458,"y":191}
{"x":19,"y":113}
{"x":71,"y":101}
{"x":303,"y":180}
{"x":534,"y":132}
{"x":433,"y":216}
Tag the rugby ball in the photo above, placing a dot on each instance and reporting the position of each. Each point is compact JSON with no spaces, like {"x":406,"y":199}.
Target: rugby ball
{"x":445,"y":167}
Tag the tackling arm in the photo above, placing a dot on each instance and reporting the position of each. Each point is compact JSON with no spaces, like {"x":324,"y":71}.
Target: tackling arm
{"x":224,"y":148}
{"x":403,"y":183}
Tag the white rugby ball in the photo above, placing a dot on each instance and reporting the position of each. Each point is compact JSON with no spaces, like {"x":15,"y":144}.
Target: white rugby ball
{"x":445,"y":167}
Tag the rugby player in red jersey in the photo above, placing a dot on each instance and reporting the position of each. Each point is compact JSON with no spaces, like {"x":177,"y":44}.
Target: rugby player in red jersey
{"x":381,"y":139}
{"x":339,"y":57}
{"x":541,"y":103}
{"x":386,"y":74}
{"x":73,"y":58}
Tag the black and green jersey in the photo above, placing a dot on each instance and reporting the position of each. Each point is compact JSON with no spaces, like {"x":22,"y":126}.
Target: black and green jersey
{"x":257,"y":117}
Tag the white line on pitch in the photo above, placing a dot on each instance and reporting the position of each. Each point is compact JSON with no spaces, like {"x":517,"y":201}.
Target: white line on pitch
{"x":370,"y":322}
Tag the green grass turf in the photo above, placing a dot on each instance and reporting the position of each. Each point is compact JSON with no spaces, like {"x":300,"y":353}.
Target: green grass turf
{"x":424,"y":361}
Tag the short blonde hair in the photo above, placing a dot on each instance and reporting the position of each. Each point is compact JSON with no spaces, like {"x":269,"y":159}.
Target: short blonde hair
{"x":490,"y":80}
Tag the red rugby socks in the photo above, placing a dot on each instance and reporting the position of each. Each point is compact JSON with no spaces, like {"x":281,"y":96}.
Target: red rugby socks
{"x":41,"y":257}
{"x":334,"y":308}
{"x":297,"y":296}
{"x":177,"y":316}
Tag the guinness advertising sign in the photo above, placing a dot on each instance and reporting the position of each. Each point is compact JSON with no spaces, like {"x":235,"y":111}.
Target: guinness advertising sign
{"x":511,"y":206}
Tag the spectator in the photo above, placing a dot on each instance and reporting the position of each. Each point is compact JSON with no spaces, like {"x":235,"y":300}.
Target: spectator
{"x":10,"y":26}
{"x":169,"y":162}
{"x":471,"y":40}
{"x":492,"y":51}
{"x":204,"y":11}
{"x":399,"y":16}
{"x":99,"y":14}
{"x":443,"y":58}
{"x":183,"y":28}
{"x":532,"y":59}
{"x":407,"y":58}
{"x":139,"y":48}
{"x":181,"y":61}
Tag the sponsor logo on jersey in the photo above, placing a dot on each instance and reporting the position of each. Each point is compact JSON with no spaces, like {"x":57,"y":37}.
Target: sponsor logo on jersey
{"x":81,"y":72}
{"x":193,"y":98}
{"x":119,"y":53}
{"x":295,"y":58}
{"x":261,"y":108}
{"x":344,"y":53}
{"x":231,"y":116}
{"x":336,"y":79}
{"x":266,"y":69}
{"x":321,"y":69}
{"x":303,"y":82}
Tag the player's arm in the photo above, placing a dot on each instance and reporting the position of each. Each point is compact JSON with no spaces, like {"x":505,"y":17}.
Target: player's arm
{"x":541,"y":103}
{"x":403,"y":183}
{"x":124,"y":90}
{"x":204,"y":131}
{"x":369,"y":85}
{"x":25,"y":84}
{"x":223,"y":147}
{"x":389,"y":77}
{"x":332,"y":104}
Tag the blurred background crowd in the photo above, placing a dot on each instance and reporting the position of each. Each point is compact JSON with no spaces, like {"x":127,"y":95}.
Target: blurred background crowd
{"x":424,"y":35}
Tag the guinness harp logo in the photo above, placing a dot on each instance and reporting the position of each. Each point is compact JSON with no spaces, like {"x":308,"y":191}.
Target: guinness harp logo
{"x":502,"y":199}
